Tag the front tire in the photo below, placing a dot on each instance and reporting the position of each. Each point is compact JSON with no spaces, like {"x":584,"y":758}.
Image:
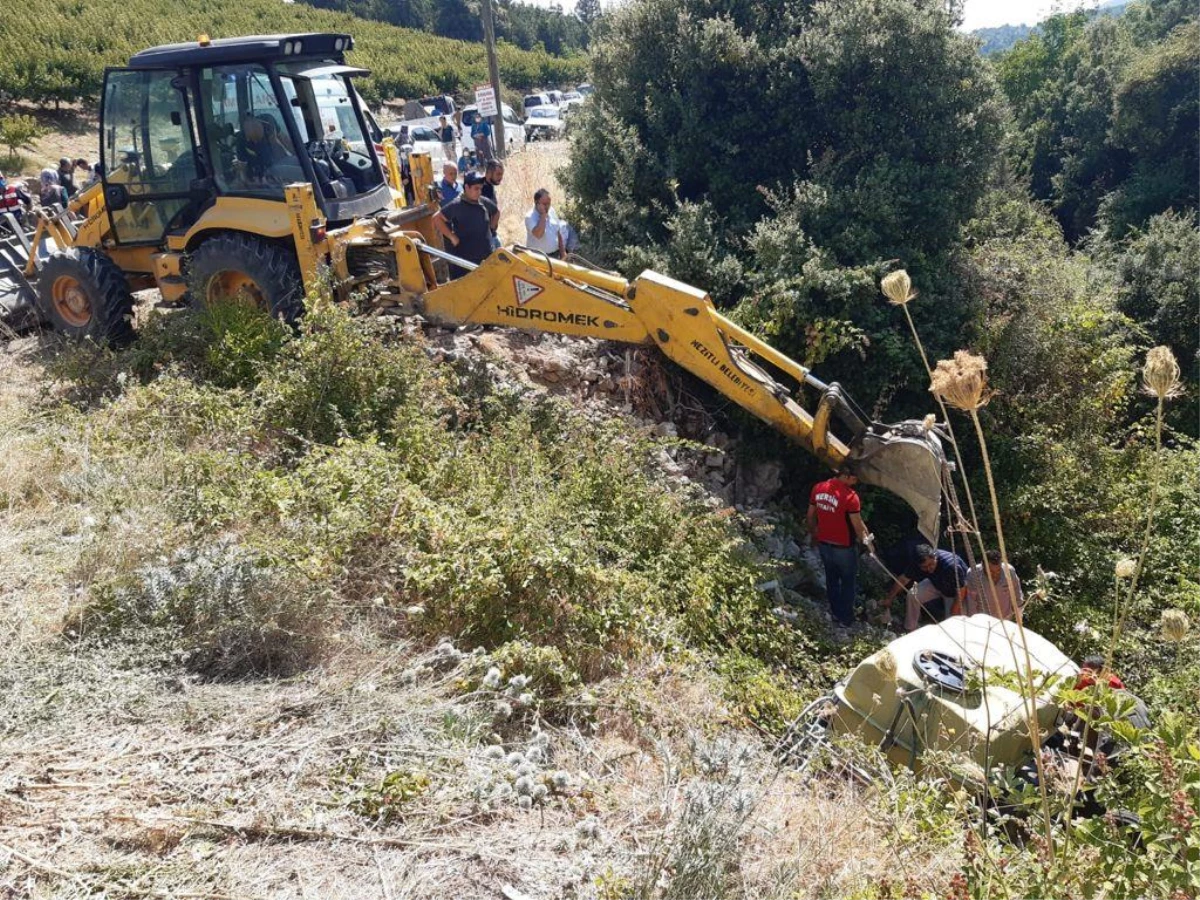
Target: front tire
{"x":84,"y":294}
{"x":242,"y":267}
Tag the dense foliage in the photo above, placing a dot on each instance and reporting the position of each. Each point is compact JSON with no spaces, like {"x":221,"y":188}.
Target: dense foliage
{"x":787,"y":169}
{"x":1106,"y":115}
{"x":521,"y":24}
{"x":56,"y":51}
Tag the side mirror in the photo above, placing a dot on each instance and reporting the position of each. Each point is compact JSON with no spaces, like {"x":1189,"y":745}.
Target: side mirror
{"x":116,"y":196}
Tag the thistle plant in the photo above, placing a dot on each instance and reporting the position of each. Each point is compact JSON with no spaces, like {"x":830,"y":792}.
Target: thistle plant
{"x":897,"y":287}
{"x":1160,"y":380}
{"x":962,"y":382}
{"x":1175,"y":625}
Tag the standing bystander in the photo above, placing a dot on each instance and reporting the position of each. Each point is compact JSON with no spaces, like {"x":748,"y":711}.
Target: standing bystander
{"x":66,"y":176}
{"x":446,"y":136}
{"x":14,"y":199}
{"x":994,"y":588}
{"x":543,"y":229}
{"x":466,"y":222}
{"x":834,"y":518}
{"x":493,"y":175}
{"x":481,"y":134}
{"x":449,"y":187}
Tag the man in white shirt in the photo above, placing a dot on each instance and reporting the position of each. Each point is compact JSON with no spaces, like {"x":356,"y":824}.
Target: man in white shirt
{"x":543,"y":228}
{"x":994,"y":588}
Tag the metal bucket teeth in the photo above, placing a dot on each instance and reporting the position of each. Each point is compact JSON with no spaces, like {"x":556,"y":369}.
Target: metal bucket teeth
{"x":18,"y":299}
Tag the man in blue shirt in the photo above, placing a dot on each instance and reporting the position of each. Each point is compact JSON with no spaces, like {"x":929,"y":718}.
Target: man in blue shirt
{"x":481,"y":134}
{"x":449,"y":188}
{"x":941,"y":586}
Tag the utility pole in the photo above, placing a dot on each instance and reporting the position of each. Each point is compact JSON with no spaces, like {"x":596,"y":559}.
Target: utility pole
{"x":499,"y":139}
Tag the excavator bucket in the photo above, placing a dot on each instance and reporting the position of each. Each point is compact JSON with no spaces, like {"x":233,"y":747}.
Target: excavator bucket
{"x":18,"y":299}
{"x":908,"y":460}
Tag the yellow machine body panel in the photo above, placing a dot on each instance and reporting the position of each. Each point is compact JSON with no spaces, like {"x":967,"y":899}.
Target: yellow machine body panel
{"x":268,"y":218}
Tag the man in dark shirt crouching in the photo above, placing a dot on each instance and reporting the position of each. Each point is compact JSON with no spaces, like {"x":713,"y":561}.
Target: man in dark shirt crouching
{"x":466,"y":223}
{"x":941,"y":585}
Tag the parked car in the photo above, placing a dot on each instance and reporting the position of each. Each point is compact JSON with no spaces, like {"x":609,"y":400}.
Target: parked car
{"x":439,"y":106}
{"x":556,"y":97}
{"x":514,"y":132}
{"x":585,"y":89}
{"x":544,"y":124}
{"x":534,"y":100}
{"x":570,"y":102}
{"x":423,"y":139}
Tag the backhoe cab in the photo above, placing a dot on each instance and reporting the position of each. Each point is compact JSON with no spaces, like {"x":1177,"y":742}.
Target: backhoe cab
{"x":198,"y":144}
{"x":244,"y":169}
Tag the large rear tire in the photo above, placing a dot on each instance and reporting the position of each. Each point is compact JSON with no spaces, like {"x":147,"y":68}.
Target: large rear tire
{"x":83,"y":294}
{"x":241,"y":267}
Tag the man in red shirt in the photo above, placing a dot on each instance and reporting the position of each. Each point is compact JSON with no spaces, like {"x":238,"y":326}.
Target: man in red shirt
{"x":834,"y":518}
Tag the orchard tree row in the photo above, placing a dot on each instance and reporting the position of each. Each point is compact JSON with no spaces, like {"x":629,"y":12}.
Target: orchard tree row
{"x":55,"y":52}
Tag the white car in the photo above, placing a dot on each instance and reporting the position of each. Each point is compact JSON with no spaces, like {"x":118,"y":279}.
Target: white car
{"x":423,"y":139}
{"x":544,"y":124}
{"x":570,"y":102}
{"x":514,"y":132}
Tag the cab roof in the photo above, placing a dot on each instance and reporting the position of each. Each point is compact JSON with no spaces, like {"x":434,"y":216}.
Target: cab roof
{"x":253,"y":48}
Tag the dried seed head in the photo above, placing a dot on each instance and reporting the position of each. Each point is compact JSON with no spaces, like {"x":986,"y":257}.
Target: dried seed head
{"x":1174,"y":625}
{"x":1161,"y":374}
{"x":1125,"y":568}
{"x":929,"y":421}
{"x":897,"y":287}
{"x":962,"y":381}
{"x":885,"y":662}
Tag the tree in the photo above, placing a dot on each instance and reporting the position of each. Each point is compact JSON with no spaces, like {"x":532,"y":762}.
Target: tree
{"x":811,"y":145}
{"x":18,"y":133}
{"x":1157,"y":277}
{"x":1155,"y":119}
{"x":588,"y":11}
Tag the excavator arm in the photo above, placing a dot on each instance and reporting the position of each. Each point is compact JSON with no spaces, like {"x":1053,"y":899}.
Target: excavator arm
{"x":522,"y":288}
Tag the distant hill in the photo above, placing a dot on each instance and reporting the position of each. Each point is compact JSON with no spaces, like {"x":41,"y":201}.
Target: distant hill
{"x":1001,"y":37}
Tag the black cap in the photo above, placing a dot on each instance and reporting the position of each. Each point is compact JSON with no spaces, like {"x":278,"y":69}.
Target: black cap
{"x":474,"y":178}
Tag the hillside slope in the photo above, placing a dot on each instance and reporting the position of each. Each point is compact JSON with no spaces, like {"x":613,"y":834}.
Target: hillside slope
{"x":57,"y":50}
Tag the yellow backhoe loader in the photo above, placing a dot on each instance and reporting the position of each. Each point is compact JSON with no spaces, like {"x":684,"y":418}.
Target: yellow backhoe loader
{"x":245,"y":167}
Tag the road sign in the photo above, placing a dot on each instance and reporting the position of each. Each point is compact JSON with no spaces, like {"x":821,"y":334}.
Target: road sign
{"x":485,"y":97}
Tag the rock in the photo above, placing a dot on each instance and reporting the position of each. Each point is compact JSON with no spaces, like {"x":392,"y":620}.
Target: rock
{"x":715,"y":461}
{"x":765,"y":480}
{"x":666,"y":429}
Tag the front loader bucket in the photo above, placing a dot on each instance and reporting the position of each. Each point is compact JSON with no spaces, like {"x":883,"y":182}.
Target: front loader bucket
{"x":907,"y":460}
{"x":18,"y":299}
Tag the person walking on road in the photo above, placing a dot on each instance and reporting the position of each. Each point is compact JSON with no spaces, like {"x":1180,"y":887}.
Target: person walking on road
{"x":834,"y":518}
{"x":446,"y":136}
{"x":481,"y":134}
